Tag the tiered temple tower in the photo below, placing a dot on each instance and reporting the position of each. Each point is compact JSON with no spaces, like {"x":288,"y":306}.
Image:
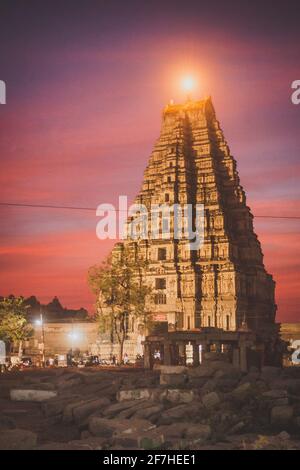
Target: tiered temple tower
{"x":224,"y":284}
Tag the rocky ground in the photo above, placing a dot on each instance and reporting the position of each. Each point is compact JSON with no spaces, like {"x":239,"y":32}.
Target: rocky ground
{"x":213,"y":406}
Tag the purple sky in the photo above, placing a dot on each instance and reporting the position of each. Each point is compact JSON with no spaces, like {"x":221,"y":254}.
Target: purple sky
{"x":86,"y":83}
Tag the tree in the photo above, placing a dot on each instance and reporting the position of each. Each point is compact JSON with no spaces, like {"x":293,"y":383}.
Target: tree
{"x":119,"y":284}
{"x":14,"y":327}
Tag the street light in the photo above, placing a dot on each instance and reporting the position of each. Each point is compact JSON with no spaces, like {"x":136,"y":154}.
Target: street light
{"x":74,"y":336}
{"x":40,"y":322}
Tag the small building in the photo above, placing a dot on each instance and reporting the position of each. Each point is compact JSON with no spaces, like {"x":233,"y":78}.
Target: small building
{"x":61,"y":337}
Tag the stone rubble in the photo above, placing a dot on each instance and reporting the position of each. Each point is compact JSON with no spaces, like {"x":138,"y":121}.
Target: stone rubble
{"x":216,"y":406}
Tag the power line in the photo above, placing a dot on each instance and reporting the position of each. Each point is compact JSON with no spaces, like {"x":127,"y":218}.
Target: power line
{"x":52,"y":206}
{"x":46,"y":206}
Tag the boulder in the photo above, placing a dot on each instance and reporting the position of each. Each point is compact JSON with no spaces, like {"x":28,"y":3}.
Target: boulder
{"x":215,"y":371}
{"x":63,"y":384}
{"x":44,"y":386}
{"x":226,"y":367}
{"x":283,"y":435}
{"x":197,"y":382}
{"x":103,"y":427}
{"x":175,"y":430}
{"x":67,"y":416}
{"x":237,"y":428}
{"x":81,"y":412}
{"x":89,"y":443}
{"x":251,"y":377}
{"x":178,"y":413}
{"x":172,"y":380}
{"x":148,"y":412}
{"x":209,"y":386}
{"x":173,"y":370}
{"x":198,"y":432}
{"x":116,"y":408}
{"x":243,"y":392}
{"x":17,"y":439}
{"x":275,"y":397}
{"x":149,"y":440}
{"x":205,"y":370}
{"x":211,"y":400}
{"x":31,"y":395}
{"x":140,"y":405}
{"x":37,"y":379}
{"x":136,"y":394}
{"x":147,"y":382}
{"x":180,"y":396}
{"x":225,"y":384}
{"x":56,"y":405}
{"x":282,"y":415}
{"x":277,"y":393}
{"x":96,"y":378}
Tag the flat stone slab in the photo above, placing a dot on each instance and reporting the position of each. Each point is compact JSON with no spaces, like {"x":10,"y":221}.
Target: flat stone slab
{"x":173,"y":369}
{"x":31,"y":395}
{"x":83,"y":411}
{"x":275,"y":394}
{"x":135,"y":394}
{"x":281,"y":415}
{"x":172,"y":379}
{"x":103,"y":427}
{"x":149,"y":440}
{"x":179,"y":396}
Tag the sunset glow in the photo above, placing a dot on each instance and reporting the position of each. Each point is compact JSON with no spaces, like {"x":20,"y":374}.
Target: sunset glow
{"x":84,"y":104}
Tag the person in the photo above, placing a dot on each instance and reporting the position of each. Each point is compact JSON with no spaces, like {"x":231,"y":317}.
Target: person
{"x":157,"y":355}
{"x":126,"y":359}
{"x":69,"y":358}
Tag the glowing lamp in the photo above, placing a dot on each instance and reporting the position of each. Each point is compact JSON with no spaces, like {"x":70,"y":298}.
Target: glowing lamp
{"x":74,"y":335}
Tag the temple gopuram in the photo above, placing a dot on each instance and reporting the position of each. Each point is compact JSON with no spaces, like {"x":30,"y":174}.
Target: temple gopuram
{"x":218,"y":297}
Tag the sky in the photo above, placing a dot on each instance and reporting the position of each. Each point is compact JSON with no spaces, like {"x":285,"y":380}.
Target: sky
{"x":86,"y":84}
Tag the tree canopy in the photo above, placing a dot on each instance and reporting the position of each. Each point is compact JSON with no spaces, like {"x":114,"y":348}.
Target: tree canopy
{"x":14,"y":327}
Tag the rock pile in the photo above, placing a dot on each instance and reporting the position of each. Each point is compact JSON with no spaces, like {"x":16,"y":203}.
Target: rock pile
{"x":210,"y":406}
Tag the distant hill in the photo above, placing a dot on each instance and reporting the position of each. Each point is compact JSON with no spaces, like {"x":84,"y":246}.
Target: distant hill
{"x":53,"y":311}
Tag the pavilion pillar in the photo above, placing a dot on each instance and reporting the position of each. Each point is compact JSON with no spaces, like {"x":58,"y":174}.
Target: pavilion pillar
{"x":196,"y":359}
{"x":167,"y":354}
{"x":181,"y":350}
{"x":147,"y":359}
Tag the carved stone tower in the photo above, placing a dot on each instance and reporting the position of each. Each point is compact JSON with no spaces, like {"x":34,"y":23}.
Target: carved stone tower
{"x":224,"y":284}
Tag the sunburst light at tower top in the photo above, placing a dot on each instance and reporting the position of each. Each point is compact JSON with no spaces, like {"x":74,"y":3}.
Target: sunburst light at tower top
{"x":188,"y":83}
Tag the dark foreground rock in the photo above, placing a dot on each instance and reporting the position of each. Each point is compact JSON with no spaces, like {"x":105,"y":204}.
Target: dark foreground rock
{"x":17,"y":439}
{"x":210,"y":406}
